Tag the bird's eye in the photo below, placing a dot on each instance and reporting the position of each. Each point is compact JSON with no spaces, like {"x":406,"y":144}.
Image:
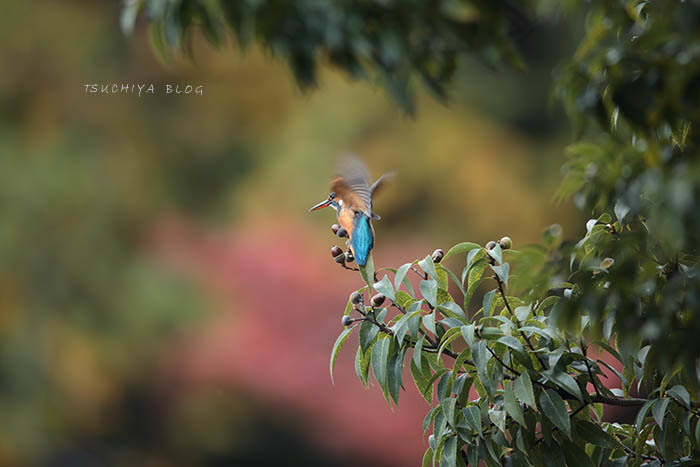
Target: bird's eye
{"x":331,"y":196}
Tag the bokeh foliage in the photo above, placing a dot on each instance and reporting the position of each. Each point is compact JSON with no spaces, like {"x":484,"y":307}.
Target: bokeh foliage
{"x":393,"y":44}
{"x":631,"y":90}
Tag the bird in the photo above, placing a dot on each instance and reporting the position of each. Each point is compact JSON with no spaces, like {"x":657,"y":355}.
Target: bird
{"x":351,"y":198}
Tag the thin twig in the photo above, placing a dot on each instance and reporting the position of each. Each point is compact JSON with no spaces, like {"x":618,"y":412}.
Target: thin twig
{"x":504,"y":364}
{"x":588,"y":367}
{"x":502,"y":291}
{"x":422,"y":275}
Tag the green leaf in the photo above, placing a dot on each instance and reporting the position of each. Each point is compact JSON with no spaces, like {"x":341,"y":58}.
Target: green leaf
{"x":428,"y":266}
{"x":339,"y":345}
{"x":401,"y":275}
{"x":422,"y":379}
{"x":385,"y":288}
{"x":468,"y":334}
{"x":511,"y":405}
{"x":513,"y":343}
{"x":554,"y":408}
{"x":566,"y":382}
{"x":681,"y":395}
{"x":502,"y":271}
{"x":380,"y":360}
{"x":522,"y":312}
{"x":576,"y":456}
{"x":553,"y":456}
{"x":362,"y":360}
{"x":449,"y":451}
{"x":522,"y":387}
{"x":448,"y":408}
{"x":430,"y":416}
{"x":621,"y":210}
{"x":428,"y":458}
{"x":452,"y":309}
{"x":471,"y":257}
{"x":368,"y":333}
{"x":472,"y":415}
{"x":488,"y":300}
{"x":442,"y":279}
{"x":463,"y":247}
{"x":593,"y":434}
{"x":658,"y":410}
{"x":401,"y":327}
{"x":418,"y":351}
{"x":367,"y":272}
{"x":496,"y":253}
{"x":429,"y":291}
{"x":429,"y":322}
{"x":475,"y":278}
{"x":498,"y":418}
{"x":447,"y":338}
{"x":394,"y":375}
{"x":639,"y":420}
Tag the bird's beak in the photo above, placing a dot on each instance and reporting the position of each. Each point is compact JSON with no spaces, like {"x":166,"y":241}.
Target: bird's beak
{"x":322,"y":204}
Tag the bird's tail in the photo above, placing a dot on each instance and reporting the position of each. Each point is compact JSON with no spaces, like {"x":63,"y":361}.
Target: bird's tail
{"x":362,"y":240}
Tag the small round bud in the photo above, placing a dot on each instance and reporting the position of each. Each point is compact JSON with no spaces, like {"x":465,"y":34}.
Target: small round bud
{"x":438,"y":255}
{"x":356,"y":298}
{"x":607,"y":263}
{"x":340,"y":259}
{"x":490,"y":245}
{"x":505,"y":243}
{"x":346,"y":321}
{"x":335,"y":228}
{"x":336,"y":251}
{"x":377,"y":299}
{"x":349,"y":258}
{"x":342,"y":232}
{"x":567,"y":293}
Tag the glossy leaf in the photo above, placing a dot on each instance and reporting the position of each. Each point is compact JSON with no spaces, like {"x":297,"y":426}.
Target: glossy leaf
{"x":338,"y":346}
{"x":554,"y":408}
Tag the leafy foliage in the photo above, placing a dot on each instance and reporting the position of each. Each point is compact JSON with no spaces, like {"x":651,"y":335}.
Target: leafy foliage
{"x":390,"y":43}
{"x":514,"y":382}
{"x":629,"y":288}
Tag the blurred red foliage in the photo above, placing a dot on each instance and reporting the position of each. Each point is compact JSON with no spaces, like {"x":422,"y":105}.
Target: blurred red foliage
{"x":282,"y":299}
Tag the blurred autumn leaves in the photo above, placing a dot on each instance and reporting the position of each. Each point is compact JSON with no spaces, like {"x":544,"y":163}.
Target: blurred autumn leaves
{"x":87,"y":312}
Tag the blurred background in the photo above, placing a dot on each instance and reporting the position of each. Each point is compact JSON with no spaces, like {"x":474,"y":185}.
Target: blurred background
{"x":166,"y":299}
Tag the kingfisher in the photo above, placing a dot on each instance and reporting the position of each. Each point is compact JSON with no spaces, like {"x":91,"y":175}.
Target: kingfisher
{"x":351,"y":198}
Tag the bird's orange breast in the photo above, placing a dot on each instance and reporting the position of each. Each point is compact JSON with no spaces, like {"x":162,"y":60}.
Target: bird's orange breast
{"x":345,"y":219}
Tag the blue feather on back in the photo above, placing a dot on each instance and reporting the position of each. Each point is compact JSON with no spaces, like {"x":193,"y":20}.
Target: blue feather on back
{"x":362,"y":239}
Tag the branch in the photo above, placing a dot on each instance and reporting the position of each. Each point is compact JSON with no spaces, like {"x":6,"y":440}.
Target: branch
{"x":502,"y":291}
{"x":504,"y":364}
{"x":588,"y":367}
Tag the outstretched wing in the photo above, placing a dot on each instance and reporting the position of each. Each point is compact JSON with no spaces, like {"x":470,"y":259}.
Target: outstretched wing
{"x":353,"y":184}
{"x":380,"y":182}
